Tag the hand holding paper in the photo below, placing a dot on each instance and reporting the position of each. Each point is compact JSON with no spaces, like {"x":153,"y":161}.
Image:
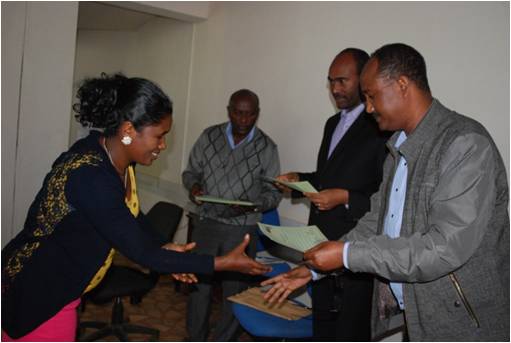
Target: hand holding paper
{"x":195,"y":191}
{"x":328,"y":198}
{"x":326,"y":256}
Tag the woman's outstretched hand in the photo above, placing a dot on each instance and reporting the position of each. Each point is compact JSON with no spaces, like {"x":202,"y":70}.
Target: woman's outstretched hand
{"x":183,"y":277}
{"x":237,"y":261}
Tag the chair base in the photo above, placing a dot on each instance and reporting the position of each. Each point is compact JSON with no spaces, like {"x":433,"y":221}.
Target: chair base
{"x":120,"y":331}
{"x":118,"y":327}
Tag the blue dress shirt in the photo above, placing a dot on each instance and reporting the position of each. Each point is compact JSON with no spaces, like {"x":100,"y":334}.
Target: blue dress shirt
{"x":230,"y":137}
{"x":394,"y":215}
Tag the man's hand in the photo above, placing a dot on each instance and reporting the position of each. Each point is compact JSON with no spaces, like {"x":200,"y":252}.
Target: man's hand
{"x":286,"y":283}
{"x":183,"y":277}
{"x":328,"y":198}
{"x":325,"y":256}
{"x":288,"y":177}
{"x":196,"y":191}
{"x":237,"y":261}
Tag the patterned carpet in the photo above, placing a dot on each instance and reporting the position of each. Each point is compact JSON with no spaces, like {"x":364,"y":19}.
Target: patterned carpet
{"x":163,"y":309}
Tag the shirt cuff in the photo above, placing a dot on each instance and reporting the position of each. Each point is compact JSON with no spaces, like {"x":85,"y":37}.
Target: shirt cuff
{"x":315,"y":275}
{"x":345,"y":254}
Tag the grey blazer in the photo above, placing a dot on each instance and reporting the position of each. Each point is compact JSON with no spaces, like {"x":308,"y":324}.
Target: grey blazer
{"x":453,"y":252}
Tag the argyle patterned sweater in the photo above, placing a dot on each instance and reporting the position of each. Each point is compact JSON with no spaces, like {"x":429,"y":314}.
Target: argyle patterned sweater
{"x":235,"y":174}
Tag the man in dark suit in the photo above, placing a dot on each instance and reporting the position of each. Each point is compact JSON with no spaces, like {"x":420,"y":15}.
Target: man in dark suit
{"x":349,"y":171}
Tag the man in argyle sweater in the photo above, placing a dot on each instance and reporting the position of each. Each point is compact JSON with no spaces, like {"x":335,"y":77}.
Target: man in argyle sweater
{"x":230,"y":161}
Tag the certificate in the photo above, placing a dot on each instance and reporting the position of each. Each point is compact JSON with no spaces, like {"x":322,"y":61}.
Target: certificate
{"x":300,"y":238}
{"x":300,"y":186}
{"x":209,"y":198}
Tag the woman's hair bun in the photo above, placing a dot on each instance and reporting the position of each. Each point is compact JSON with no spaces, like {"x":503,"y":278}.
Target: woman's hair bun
{"x":107,"y":101}
{"x":98,"y":100}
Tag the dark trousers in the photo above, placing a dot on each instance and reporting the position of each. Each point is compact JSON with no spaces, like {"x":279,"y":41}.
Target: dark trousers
{"x":215,"y":238}
{"x":342,"y":307}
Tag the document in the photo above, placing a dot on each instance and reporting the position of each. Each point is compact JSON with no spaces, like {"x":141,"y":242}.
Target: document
{"x":300,"y":238}
{"x":300,"y":186}
{"x":253,"y":297}
{"x":209,"y":198}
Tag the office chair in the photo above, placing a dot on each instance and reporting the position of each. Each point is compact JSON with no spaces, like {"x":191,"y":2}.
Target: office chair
{"x":261,"y":324}
{"x":121,"y":281}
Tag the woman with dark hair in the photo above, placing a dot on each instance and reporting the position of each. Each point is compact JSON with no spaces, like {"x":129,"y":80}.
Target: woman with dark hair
{"x":87,"y":207}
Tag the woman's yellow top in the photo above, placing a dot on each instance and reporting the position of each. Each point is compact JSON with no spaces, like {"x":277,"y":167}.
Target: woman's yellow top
{"x":134,"y":206}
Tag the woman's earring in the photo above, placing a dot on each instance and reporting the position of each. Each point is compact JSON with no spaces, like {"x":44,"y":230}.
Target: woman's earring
{"x":126,"y":140}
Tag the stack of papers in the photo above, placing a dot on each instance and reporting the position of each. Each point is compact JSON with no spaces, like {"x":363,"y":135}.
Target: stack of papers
{"x":209,"y":198}
{"x":300,"y":238}
{"x":253,"y":297}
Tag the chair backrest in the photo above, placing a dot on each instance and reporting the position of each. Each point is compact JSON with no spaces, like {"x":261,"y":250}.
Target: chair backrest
{"x":270,"y":217}
{"x":165,"y":218}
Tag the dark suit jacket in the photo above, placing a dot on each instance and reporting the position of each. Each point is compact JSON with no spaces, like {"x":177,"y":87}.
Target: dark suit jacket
{"x":356,"y":165}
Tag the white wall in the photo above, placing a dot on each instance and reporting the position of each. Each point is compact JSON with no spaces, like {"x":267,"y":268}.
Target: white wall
{"x":189,"y":11}
{"x":160,"y":51}
{"x":163,"y":55}
{"x":38,"y":75}
{"x":282,"y":51}
{"x":13,"y":31}
{"x":97,"y":52}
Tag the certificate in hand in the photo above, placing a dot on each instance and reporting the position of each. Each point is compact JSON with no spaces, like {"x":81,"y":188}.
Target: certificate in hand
{"x":300,"y":238}
{"x":300,"y":186}
{"x":209,"y":198}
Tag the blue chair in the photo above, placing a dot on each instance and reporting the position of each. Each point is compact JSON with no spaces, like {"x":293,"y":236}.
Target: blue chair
{"x":270,"y":217}
{"x":261,"y":324}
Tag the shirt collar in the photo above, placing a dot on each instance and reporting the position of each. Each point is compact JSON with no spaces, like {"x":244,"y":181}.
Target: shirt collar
{"x":354,"y":112}
{"x":230,"y":137}
{"x":400,"y":139}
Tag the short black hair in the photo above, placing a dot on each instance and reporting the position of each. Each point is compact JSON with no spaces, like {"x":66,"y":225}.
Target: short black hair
{"x":244,"y":93}
{"x":361,"y":57}
{"x":399,"y":59}
{"x":109,"y":100}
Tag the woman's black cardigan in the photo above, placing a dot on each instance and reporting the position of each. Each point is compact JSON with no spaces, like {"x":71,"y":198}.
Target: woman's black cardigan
{"x":76,"y":218}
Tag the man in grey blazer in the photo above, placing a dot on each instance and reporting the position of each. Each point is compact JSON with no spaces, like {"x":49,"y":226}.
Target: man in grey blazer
{"x":437,"y":235}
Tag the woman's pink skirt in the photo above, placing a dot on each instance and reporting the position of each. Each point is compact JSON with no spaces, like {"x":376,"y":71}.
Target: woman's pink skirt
{"x":59,"y":328}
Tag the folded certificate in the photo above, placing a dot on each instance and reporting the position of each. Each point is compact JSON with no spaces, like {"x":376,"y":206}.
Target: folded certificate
{"x":253,"y":297}
{"x":300,"y":186}
{"x":300,"y":238}
{"x":209,"y":198}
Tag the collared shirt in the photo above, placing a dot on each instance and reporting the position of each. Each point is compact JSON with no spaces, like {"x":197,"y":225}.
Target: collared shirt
{"x":230,"y":137}
{"x":394,"y":215}
{"x":347,"y":119}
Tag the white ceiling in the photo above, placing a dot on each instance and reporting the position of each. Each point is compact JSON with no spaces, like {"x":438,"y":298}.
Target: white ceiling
{"x":97,"y":16}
